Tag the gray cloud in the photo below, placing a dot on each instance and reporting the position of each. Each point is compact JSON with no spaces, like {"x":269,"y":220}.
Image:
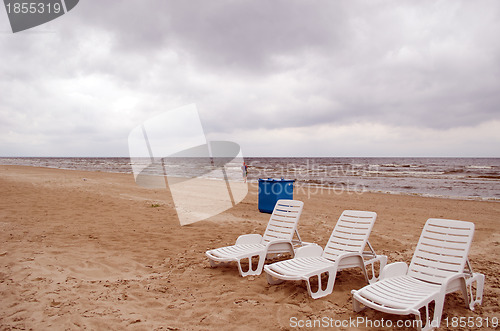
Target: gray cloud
{"x":246,"y":37}
{"x":98,"y":71}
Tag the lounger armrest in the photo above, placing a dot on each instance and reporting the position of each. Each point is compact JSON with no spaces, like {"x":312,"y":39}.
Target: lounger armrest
{"x":249,"y":239}
{"x":310,"y":250}
{"x":393,"y":270}
{"x":453,"y":283}
{"x":280,"y":246}
{"x":348,"y":260}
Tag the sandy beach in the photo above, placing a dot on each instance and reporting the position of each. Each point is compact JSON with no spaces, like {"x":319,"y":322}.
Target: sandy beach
{"x":92,"y":250}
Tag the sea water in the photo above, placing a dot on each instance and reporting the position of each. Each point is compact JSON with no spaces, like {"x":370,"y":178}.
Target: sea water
{"x":462,"y":178}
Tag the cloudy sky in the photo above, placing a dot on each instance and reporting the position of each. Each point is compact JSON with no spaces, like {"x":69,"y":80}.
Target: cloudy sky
{"x":281,"y":78}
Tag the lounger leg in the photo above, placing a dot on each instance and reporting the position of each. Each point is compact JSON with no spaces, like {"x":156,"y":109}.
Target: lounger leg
{"x":251,"y":272}
{"x":356,"y":305}
{"x":438,"y":313}
{"x":382,"y":259}
{"x":427,"y":324}
{"x":242,"y":274}
{"x":273,"y":281}
{"x":329,"y":286}
{"x":436,"y":318}
{"x":314,"y":295}
{"x":260,"y":265}
{"x":478,"y":298}
{"x":463,"y":289}
{"x":419,"y":318}
{"x":365,"y":273}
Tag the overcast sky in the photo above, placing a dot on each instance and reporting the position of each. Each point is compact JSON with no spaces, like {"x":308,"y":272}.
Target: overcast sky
{"x":280,"y":78}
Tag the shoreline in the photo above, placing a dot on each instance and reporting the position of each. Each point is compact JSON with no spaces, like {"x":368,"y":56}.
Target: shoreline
{"x":300,"y":184}
{"x":85,"y":249}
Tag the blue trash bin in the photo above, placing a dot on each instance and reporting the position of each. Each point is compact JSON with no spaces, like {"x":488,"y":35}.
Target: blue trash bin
{"x":271,"y":190}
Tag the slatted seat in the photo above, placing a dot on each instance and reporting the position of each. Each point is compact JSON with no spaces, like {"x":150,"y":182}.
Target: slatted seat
{"x":345,"y":249}
{"x":438,"y":267}
{"x":400,"y":292}
{"x":276,"y":239}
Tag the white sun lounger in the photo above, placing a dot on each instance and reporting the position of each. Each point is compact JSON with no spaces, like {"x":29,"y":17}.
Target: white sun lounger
{"x":345,"y":249}
{"x":437,"y":268}
{"x":277,"y":239}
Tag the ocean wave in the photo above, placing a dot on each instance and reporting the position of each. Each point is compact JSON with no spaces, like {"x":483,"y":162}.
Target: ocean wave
{"x":449,"y":177}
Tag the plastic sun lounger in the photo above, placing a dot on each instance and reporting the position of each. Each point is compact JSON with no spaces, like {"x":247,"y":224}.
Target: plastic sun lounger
{"x":437,"y":268}
{"x":277,"y":239}
{"x":345,"y":249}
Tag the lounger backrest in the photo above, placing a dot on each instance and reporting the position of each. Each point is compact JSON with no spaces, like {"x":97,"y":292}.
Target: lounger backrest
{"x":283,"y":221}
{"x":442,"y":250}
{"x":350,"y":233}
